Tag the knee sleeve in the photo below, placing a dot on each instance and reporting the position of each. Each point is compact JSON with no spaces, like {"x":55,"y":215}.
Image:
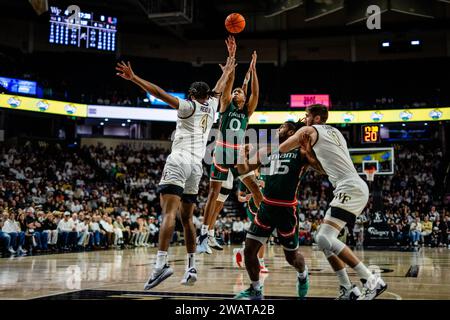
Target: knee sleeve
{"x":327,"y":240}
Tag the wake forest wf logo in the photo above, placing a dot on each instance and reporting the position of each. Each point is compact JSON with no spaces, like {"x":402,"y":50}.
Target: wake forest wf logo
{"x":342,"y":197}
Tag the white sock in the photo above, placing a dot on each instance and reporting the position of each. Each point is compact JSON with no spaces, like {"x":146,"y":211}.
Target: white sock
{"x":261,"y":261}
{"x":343,"y":278}
{"x":256,"y":285}
{"x":204,"y":229}
{"x":304,"y":274}
{"x":161,"y":259}
{"x":190,"y":260}
{"x":211,"y":233}
{"x":362,"y":271}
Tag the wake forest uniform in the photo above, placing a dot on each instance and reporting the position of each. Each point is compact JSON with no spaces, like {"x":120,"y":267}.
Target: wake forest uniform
{"x":278,"y":209}
{"x":234,"y":123}
{"x":351,"y":192}
{"x":183,"y":169}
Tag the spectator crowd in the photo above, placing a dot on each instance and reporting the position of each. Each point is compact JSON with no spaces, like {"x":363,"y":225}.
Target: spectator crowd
{"x":58,"y":200}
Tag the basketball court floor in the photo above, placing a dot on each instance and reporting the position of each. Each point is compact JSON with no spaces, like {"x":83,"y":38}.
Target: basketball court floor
{"x":121,"y":274}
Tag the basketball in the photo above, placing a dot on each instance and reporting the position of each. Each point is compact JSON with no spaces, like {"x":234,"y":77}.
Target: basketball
{"x":235,"y":23}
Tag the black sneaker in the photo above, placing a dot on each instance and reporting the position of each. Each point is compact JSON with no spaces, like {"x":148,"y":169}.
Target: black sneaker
{"x":158,"y":276}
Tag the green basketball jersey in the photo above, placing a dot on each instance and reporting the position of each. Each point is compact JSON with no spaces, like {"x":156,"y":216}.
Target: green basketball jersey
{"x":282,"y":175}
{"x":234,"y":122}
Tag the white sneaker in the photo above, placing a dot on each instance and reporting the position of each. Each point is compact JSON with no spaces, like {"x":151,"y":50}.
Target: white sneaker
{"x":11,"y":250}
{"x":190,"y":277}
{"x":212,"y":243}
{"x":372,"y":288}
{"x":157,"y":276}
{"x":348,"y":294}
{"x":202,"y":244}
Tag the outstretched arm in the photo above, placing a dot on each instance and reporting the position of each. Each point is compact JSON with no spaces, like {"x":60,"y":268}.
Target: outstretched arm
{"x":246,"y":80}
{"x":225,"y":99}
{"x":126,"y":72}
{"x":307,"y":151}
{"x":294,"y":141}
{"x":253,"y":100}
{"x":231,"y":46}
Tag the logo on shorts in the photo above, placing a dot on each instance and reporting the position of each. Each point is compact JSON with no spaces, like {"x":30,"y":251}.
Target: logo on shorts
{"x":342,"y":197}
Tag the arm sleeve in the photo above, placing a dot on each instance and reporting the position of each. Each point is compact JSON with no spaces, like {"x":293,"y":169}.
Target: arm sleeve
{"x":185,"y":108}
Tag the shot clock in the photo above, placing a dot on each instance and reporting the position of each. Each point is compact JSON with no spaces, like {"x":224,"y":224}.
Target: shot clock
{"x":370,"y":133}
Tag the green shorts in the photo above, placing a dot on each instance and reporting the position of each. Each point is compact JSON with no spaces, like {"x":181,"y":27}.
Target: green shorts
{"x":220,"y":172}
{"x":252,"y":210}
{"x":282,"y":218}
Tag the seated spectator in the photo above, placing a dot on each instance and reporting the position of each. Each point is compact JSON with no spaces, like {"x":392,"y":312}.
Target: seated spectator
{"x":94,"y":229}
{"x":67,"y":232}
{"x":12,"y":228}
{"x":153,"y":231}
{"x":35,"y":229}
{"x":50,"y":224}
{"x":427,"y":229}
{"x":119,"y":231}
{"x":415,"y":231}
{"x":107,"y":230}
{"x":238,"y":232}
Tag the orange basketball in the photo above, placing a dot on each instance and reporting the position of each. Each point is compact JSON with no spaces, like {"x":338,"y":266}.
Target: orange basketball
{"x":235,"y":23}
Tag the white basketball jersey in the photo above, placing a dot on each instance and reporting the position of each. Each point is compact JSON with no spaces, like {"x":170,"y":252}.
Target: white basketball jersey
{"x":194,"y":123}
{"x":332,"y":152}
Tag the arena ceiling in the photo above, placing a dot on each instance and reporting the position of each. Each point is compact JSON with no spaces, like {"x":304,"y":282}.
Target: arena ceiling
{"x":265,"y":18}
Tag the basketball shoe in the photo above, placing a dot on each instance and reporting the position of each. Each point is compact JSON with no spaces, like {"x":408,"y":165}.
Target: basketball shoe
{"x":202,"y":244}
{"x":190,"y":277}
{"x":372,"y":288}
{"x":349,"y":293}
{"x":250,"y":294}
{"x":212,"y":243}
{"x":158,"y":276}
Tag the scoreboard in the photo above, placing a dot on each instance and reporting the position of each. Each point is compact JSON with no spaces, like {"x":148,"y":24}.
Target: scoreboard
{"x":370,"y":133}
{"x":92,"y":31}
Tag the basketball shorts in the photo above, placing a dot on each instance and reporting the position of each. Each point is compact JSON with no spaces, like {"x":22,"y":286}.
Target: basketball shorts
{"x":283,"y":219}
{"x":182,"y":170}
{"x":350,"y":199}
{"x":252,"y":210}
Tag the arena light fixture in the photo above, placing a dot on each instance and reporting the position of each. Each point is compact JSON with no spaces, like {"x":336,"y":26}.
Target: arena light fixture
{"x":415,"y":42}
{"x":146,"y":100}
{"x":123,"y":124}
{"x":102,"y":123}
{"x":386,"y":44}
{"x":128,"y":120}
{"x":106,"y":119}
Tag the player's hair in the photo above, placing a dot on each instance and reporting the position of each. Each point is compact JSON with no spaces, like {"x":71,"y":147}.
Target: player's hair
{"x":291,"y":124}
{"x":200,"y":90}
{"x":318,"y":110}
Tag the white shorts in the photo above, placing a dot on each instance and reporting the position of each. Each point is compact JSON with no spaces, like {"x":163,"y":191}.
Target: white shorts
{"x":182,"y":170}
{"x":350,"y":195}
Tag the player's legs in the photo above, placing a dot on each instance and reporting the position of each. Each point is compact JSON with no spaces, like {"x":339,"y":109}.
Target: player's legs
{"x":218,"y":175}
{"x":170,"y":204}
{"x":225,"y":191}
{"x":250,"y":182}
{"x":187,"y":211}
{"x":286,"y":221}
{"x":339,"y":254}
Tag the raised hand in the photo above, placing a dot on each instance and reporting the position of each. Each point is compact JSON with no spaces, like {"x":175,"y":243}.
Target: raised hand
{"x":229,"y":66}
{"x":253,"y":62}
{"x":125,"y":70}
{"x":231,"y":46}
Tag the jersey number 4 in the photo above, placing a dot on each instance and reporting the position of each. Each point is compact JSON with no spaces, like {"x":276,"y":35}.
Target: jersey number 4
{"x":204,"y":123}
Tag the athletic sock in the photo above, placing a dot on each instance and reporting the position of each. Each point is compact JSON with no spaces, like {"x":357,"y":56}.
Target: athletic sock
{"x":256,"y":285}
{"x":204,"y":229}
{"x":343,"y":278}
{"x":362,"y":271}
{"x":190,"y":260}
{"x":261,"y":262}
{"x":211,"y":233}
{"x":304,"y":274}
{"x":161,"y":259}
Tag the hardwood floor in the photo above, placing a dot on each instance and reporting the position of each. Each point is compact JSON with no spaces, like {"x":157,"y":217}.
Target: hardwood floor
{"x":118,"y":274}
